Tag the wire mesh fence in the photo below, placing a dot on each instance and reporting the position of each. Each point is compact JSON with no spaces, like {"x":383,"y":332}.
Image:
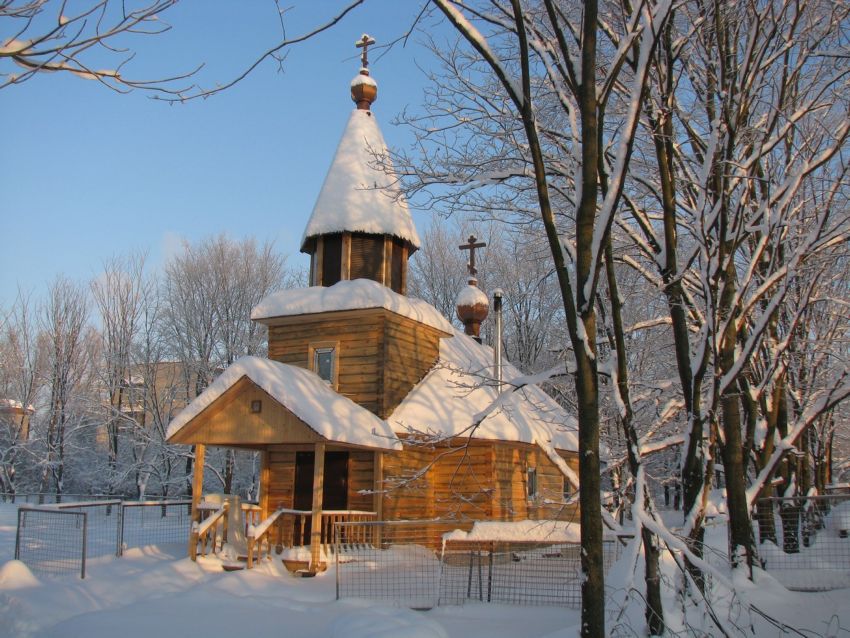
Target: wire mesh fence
{"x":391,"y":560}
{"x":154,"y":523}
{"x":409,"y":563}
{"x":52,"y":542}
{"x":103,"y":525}
{"x":804,"y":542}
{"x":515,"y":572}
{"x":59,"y":539}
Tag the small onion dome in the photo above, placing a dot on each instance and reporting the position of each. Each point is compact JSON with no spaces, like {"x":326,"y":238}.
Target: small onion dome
{"x":364,"y":90}
{"x":472,"y":308}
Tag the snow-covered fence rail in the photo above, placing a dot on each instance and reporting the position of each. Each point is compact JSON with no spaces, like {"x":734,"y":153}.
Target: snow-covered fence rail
{"x":410,"y":563}
{"x":59,"y":539}
{"x":804,"y":542}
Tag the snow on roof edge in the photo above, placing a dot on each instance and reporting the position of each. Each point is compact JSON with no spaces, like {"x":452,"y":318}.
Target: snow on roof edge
{"x":356,"y":294}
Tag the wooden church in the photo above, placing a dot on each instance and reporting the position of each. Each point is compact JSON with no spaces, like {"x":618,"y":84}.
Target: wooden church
{"x":371,"y":401}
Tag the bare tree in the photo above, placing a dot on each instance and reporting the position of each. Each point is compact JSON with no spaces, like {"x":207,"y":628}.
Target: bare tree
{"x":209,"y":291}
{"x":118,"y":294}
{"x":21,"y":363}
{"x":63,"y":322}
{"x":545,"y":64}
{"x":47,"y":36}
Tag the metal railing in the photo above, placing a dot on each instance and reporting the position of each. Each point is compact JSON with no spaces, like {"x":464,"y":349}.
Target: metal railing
{"x":804,"y":542}
{"x":49,"y":498}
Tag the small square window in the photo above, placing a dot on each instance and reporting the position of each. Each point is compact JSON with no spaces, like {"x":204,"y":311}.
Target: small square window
{"x":256,"y":406}
{"x":323,"y":363}
{"x":531,"y":483}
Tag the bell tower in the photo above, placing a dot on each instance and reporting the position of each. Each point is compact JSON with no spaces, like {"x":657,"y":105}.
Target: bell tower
{"x":360,"y":227}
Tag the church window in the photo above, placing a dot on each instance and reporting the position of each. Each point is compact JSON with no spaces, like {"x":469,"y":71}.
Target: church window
{"x":323,"y":363}
{"x":331,"y":259}
{"x":531,"y":483}
{"x":396,"y":274}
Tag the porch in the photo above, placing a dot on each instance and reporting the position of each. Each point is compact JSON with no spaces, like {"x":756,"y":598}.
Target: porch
{"x":299,"y":484}
{"x":321,"y":457}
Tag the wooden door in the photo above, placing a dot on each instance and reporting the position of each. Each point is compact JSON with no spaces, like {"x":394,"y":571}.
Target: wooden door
{"x":335,"y":489}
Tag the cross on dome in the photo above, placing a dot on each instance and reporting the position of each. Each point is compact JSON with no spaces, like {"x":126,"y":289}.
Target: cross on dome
{"x":363,"y":43}
{"x":471,"y":246}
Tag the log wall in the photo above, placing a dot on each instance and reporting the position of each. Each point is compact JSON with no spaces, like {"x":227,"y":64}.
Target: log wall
{"x":380,"y":355}
{"x":479,"y":480}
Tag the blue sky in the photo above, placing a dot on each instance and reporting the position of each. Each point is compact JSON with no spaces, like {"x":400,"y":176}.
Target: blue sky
{"x":86,"y":173}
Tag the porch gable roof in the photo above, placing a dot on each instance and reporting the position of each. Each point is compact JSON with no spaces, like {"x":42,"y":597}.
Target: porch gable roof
{"x":308,"y":409}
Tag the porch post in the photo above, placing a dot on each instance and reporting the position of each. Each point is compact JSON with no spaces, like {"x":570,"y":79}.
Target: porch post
{"x":197,"y":490}
{"x":263,"y":490}
{"x":316,"y":521}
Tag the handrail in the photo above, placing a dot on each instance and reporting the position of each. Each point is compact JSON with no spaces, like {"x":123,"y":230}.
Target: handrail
{"x":258,"y":530}
{"x":204,"y":527}
{"x":259,"y":535}
{"x":201,"y":531}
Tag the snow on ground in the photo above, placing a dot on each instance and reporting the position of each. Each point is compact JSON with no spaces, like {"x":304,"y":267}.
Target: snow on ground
{"x":154,"y":591}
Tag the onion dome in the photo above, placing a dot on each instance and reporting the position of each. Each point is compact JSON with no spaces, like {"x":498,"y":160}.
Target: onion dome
{"x":472,"y":308}
{"x":364,"y":90}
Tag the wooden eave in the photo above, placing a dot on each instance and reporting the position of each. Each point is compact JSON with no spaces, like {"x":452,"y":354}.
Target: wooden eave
{"x":229,"y":422}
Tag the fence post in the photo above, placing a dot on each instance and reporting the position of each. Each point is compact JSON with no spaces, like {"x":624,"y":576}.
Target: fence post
{"x":336,"y":559}
{"x":85,"y":540}
{"x":119,"y":541}
{"x":490,"y":572}
{"x":21,"y":514}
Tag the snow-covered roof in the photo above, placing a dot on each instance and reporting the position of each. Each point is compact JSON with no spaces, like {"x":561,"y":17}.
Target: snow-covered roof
{"x":451,"y":396}
{"x":348,"y":295}
{"x":303,"y":393}
{"x":357,"y":196}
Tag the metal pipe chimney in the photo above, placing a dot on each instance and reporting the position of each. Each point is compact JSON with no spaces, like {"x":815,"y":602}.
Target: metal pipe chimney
{"x":497,"y":348}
